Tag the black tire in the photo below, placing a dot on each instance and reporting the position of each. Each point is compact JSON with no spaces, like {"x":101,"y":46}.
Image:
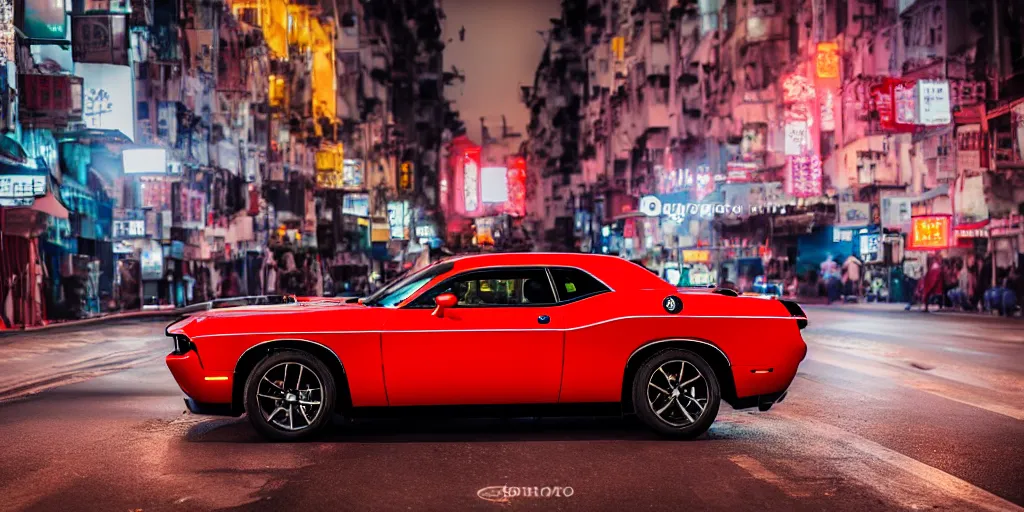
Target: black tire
{"x":327,"y":397}
{"x":645,"y":410}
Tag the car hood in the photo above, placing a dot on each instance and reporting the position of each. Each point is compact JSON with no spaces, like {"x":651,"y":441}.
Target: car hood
{"x":299,"y":316}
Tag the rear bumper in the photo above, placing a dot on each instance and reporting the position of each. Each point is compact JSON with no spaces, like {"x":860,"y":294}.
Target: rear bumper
{"x":202,"y":386}
{"x":762,"y":402}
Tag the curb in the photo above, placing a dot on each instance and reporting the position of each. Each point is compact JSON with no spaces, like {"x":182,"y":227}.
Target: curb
{"x":113,"y":317}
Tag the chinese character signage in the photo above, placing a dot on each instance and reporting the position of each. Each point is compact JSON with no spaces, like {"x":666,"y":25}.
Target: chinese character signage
{"x":929,"y":232}
{"x":797,"y":137}
{"x":470,"y":188}
{"x":828,"y":60}
{"x":804,"y":176}
{"x":13,"y":186}
{"x":933,"y":105}
{"x":696,"y":256}
{"x":135,"y":228}
{"x":108,"y":102}
{"x":405,"y":176}
{"x":904,"y":97}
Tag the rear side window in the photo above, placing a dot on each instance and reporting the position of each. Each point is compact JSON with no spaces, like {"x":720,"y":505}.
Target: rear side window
{"x":573,"y":283}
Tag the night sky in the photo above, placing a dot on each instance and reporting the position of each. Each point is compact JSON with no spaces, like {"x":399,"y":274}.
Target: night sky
{"x":500,"y":53}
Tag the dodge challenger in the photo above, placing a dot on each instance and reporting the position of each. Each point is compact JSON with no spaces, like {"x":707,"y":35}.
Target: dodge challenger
{"x":500,"y":330}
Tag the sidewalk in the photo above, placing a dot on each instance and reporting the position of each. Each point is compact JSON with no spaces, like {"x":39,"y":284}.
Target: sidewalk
{"x":110,"y":317}
{"x":818,"y":302}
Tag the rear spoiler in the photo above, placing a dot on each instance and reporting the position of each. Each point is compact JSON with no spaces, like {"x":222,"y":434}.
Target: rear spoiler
{"x":796,"y":311}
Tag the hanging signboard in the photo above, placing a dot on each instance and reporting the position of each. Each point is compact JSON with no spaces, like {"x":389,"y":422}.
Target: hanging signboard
{"x":739,"y":172}
{"x":797,"y":137}
{"x":854,"y":213}
{"x":20,"y":186}
{"x":100,"y":39}
{"x":470,"y":189}
{"x":41,"y":19}
{"x":804,"y":176}
{"x":933,"y":105}
{"x":356,"y":204}
{"x":398,"y":220}
{"x":904,"y":98}
{"x":827,"y":60}
{"x":133,"y":228}
{"x":929,"y":232}
{"x":696,"y":256}
{"x":405,"y":176}
{"x":108,"y":102}
{"x":896,"y":213}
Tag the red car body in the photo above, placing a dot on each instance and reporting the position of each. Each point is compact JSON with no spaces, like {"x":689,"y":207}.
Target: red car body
{"x":583,"y":353}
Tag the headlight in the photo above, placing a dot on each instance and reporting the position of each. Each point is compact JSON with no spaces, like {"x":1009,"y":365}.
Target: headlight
{"x":182,"y":344}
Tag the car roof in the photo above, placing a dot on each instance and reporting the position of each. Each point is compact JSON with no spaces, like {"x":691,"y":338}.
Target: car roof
{"x":616,"y":272}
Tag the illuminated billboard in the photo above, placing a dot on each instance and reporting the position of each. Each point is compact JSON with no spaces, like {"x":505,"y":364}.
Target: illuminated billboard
{"x":494,"y":184}
{"x":929,"y":232}
{"x":41,"y":19}
{"x":144,"y":161}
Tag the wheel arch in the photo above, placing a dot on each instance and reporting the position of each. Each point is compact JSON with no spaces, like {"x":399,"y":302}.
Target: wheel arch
{"x":711,"y":353}
{"x":256,"y":353}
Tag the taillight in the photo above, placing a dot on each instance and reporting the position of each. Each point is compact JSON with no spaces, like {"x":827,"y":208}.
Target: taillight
{"x":182,"y":344}
{"x":796,"y":311}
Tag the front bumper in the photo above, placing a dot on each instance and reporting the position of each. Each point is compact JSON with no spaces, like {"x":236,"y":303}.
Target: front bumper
{"x":203,"y":387}
{"x":210,"y":409}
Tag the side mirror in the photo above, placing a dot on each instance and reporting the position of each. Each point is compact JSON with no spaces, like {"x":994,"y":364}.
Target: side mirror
{"x":444,"y":301}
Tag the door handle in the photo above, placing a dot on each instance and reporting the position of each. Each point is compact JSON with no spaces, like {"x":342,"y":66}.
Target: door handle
{"x":543,"y":319}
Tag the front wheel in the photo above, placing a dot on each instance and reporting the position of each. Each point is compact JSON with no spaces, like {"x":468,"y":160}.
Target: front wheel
{"x":676,"y":393}
{"x":290,"y":396}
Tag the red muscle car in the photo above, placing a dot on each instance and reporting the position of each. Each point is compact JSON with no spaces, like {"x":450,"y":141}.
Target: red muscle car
{"x":500,"y":329}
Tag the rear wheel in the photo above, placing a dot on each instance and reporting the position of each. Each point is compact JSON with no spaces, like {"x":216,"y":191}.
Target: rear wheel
{"x":290,"y":396}
{"x":676,"y":393}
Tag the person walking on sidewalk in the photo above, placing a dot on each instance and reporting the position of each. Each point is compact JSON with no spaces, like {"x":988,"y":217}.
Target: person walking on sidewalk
{"x":933,"y":282}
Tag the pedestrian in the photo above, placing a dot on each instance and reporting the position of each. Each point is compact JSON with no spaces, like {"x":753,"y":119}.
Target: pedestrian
{"x":933,"y":283}
{"x":852,"y":266}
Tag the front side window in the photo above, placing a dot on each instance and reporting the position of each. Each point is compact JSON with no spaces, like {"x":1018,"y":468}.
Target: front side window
{"x":499,"y":287}
{"x":573,"y":284}
{"x":393,"y":294}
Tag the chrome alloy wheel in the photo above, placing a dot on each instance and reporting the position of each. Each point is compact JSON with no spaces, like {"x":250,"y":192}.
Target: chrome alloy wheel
{"x":290,"y":396}
{"x":678,"y":393}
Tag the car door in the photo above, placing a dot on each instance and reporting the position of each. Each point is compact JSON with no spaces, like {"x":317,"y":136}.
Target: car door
{"x":500,"y":344}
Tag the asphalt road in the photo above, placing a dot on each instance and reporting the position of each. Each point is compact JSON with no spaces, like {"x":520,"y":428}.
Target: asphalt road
{"x":891,"y":410}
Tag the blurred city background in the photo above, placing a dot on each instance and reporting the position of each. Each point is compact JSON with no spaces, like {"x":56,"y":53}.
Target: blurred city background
{"x":158,"y":154}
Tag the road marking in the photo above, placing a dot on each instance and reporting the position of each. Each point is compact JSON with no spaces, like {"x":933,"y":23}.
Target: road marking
{"x":758,"y":471}
{"x":946,"y":483}
{"x":924,"y":383}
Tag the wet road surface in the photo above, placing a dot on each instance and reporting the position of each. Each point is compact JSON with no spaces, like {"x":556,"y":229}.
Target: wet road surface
{"x":891,"y":410}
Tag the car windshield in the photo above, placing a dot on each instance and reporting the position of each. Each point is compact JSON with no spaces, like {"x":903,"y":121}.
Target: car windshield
{"x":394,"y":293}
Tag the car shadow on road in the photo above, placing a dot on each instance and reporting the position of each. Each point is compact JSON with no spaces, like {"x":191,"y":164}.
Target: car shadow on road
{"x":453,"y":430}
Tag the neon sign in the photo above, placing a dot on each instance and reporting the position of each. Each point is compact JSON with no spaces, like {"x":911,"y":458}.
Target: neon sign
{"x":929,"y":232}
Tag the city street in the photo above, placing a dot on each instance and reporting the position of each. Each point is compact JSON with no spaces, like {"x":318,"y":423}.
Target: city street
{"x":891,"y":410}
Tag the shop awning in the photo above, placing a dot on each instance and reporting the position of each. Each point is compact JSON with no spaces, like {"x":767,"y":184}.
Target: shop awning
{"x":95,"y":136}
{"x":941,"y":190}
{"x":48,"y":204}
